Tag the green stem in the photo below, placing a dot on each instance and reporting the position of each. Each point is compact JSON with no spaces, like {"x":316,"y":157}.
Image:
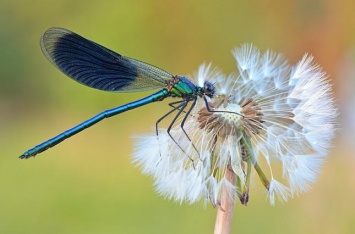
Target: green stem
{"x":262,"y":176}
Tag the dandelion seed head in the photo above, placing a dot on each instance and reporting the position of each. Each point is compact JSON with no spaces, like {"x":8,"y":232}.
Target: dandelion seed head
{"x":269,"y":111}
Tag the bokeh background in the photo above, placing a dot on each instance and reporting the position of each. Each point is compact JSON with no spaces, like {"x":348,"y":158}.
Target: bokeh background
{"x":88,"y":184}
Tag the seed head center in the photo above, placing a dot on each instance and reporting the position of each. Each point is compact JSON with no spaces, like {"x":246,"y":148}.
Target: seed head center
{"x":231,"y":113}
{"x":232,"y":118}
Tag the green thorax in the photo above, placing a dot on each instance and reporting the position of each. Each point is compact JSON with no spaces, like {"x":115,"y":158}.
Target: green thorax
{"x":182,"y":87}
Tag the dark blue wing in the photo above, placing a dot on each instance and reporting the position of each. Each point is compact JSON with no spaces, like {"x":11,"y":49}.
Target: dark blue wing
{"x":98,"y":67}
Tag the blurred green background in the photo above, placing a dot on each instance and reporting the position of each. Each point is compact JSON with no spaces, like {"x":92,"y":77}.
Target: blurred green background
{"x":87,"y":184}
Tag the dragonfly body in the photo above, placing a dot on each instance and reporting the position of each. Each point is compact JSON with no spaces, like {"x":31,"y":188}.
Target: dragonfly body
{"x":88,"y":123}
{"x":98,"y":67}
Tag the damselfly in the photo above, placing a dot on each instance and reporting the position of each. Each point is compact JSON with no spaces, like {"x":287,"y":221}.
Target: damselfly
{"x":98,"y":67}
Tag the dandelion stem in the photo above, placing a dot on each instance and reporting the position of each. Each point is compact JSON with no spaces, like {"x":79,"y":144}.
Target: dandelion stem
{"x":225,"y":210}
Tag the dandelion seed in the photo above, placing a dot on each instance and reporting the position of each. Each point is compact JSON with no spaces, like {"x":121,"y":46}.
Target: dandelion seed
{"x":269,"y":113}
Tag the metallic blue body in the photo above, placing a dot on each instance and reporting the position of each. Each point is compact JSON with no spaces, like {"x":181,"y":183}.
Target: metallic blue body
{"x":158,"y":96}
{"x":98,"y":67}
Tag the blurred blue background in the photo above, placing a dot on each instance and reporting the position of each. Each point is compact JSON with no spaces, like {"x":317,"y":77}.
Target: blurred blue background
{"x":87,"y":184}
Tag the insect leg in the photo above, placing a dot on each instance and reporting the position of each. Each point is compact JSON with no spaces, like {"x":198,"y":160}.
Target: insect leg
{"x":172,"y":104}
{"x":183,"y":123}
{"x":209,"y":109}
{"x":182,"y":106}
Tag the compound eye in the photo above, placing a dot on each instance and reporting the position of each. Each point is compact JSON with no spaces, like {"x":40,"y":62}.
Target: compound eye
{"x":209,"y":89}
